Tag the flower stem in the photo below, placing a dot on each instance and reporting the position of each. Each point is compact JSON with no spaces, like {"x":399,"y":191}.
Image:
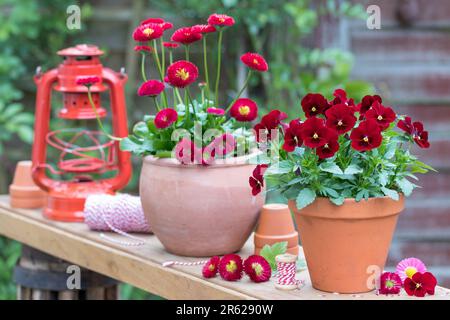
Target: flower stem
{"x":187,"y":112}
{"x":158,"y":63}
{"x":191,"y":102}
{"x":163,"y":55}
{"x":219,"y":58}
{"x":205,"y":63}
{"x":186,"y":50}
{"x":144,"y":77}
{"x":98,"y":117}
{"x":174,"y":90}
{"x":156,"y":103}
{"x":240,"y":91}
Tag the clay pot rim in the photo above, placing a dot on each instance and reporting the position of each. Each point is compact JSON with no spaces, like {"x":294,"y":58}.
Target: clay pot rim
{"x":219,"y":163}
{"x":376,"y":207}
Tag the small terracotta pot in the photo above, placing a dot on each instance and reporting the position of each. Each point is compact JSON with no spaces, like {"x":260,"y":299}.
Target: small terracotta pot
{"x":196,"y":210}
{"x":343,"y":245}
{"x":276,"y":225}
{"x":23,"y":192}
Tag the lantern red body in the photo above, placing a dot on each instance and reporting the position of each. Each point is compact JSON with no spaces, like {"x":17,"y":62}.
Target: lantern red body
{"x":84,"y":164}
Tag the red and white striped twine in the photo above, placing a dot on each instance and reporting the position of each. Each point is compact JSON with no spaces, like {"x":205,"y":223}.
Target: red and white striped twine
{"x":285,"y":276}
{"x":179,"y":263}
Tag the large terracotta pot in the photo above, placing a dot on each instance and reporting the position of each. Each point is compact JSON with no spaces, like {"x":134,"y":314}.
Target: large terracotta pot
{"x":346,"y":245}
{"x":196,"y":210}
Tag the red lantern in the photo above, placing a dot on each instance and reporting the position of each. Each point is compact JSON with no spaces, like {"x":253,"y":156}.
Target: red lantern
{"x":87,"y":162}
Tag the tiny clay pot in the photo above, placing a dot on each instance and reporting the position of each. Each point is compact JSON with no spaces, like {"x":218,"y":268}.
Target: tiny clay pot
{"x":276,"y":225}
{"x":23,"y":192}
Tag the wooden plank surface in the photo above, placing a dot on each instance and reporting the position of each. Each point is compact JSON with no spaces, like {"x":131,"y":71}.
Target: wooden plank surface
{"x":142,"y":266}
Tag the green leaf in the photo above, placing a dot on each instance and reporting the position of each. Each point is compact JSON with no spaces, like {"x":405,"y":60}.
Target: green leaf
{"x":338,"y":201}
{"x":331,"y":192}
{"x":383,"y":178}
{"x":305,"y":197}
{"x":353,"y":169}
{"x":270,"y":252}
{"x":405,"y":186}
{"x":281,"y":167}
{"x":390,"y":193}
{"x":390,"y":152}
{"x":25,"y":133}
{"x":330,"y":167}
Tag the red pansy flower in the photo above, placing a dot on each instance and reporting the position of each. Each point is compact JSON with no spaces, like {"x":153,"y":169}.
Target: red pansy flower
{"x":210,"y":268}
{"x":165,"y":118}
{"x":257,"y":268}
{"x":384,"y":116}
{"x":256,"y":181}
{"x":292,"y":136}
{"x":244,"y":110}
{"x":147,"y":32}
{"x":269,"y":122}
{"x":390,"y":283}
{"x":185,"y":151}
{"x":87,"y":80}
{"x":340,"y":118}
{"x":406,"y":125}
{"x":170,"y":45}
{"x":186,"y":36}
{"x":143,"y":49}
{"x":215,"y":111}
{"x":420,"y":136}
{"x":230,"y":267}
{"x":420,"y":284}
{"x":151,"y":88}
{"x":367,"y":102}
{"x":366,"y":136}
{"x":314,"y":104}
{"x":221,"y":20}
{"x":314,"y":133}
{"x":330,"y":147}
{"x":182,"y":73}
{"x":340,"y":97}
{"x":255,"y":61}
{"x":203,"y":28}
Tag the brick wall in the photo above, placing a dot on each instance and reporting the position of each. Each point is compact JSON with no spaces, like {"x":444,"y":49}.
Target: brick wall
{"x":410,"y":65}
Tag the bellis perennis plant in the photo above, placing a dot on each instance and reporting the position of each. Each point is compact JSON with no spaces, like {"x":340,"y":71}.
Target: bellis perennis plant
{"x":339,"y":150}
{"x":193,"y":130}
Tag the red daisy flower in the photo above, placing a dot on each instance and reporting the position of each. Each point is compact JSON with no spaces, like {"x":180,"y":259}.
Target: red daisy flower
{"x":210,"y":268}
{"x":182,"y":73}
{"x":406,"y":125}
{"x":151,"y":88}
{"x":292,"y":136}
{"x":230,"y":267}
{"x":366,"y":136}
{"x":255,"y":61}
{"x":87,"y":80}
{"x":185,"y":151}
{"x":147,"y":32}
{"x":221,"y":20}
{"x":203,"y":28}
{"x":215,"y":111}
{"x":269,"y":122}
{"x":420,"y":136}
{"x":420,"y":284}
{"x":314,"y":104}
{"x":170,"y":45}
{"x":165,"y":118}
{"x":384,"y":116}
{"x":367,"y":102}
{"x":143,"y":49}
{"x":330,"y":147}
{"x":244,"y":110}
{"x":185,"y":36}
{"x":314,"y":133}
{"x":390,"y":283}
{"x":166,"y":25}
{"x":340,"y":118}
{"x":257,"y":268}
{"x":256,"y":181}
{"x":153,"y":20}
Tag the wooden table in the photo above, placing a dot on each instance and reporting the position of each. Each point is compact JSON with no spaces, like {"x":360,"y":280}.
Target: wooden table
{"x":142,"y":266}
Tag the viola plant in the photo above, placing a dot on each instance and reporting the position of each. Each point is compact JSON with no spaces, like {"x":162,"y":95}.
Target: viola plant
{"x":193,"y":130}
{"x":340,"y":149}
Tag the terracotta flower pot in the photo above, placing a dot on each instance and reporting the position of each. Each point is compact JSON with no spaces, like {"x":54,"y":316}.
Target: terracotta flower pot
{"x":196,"y":210}
{"x":276,"y":225}
{"x":24,"y":193}
{"x":344,"y":245}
